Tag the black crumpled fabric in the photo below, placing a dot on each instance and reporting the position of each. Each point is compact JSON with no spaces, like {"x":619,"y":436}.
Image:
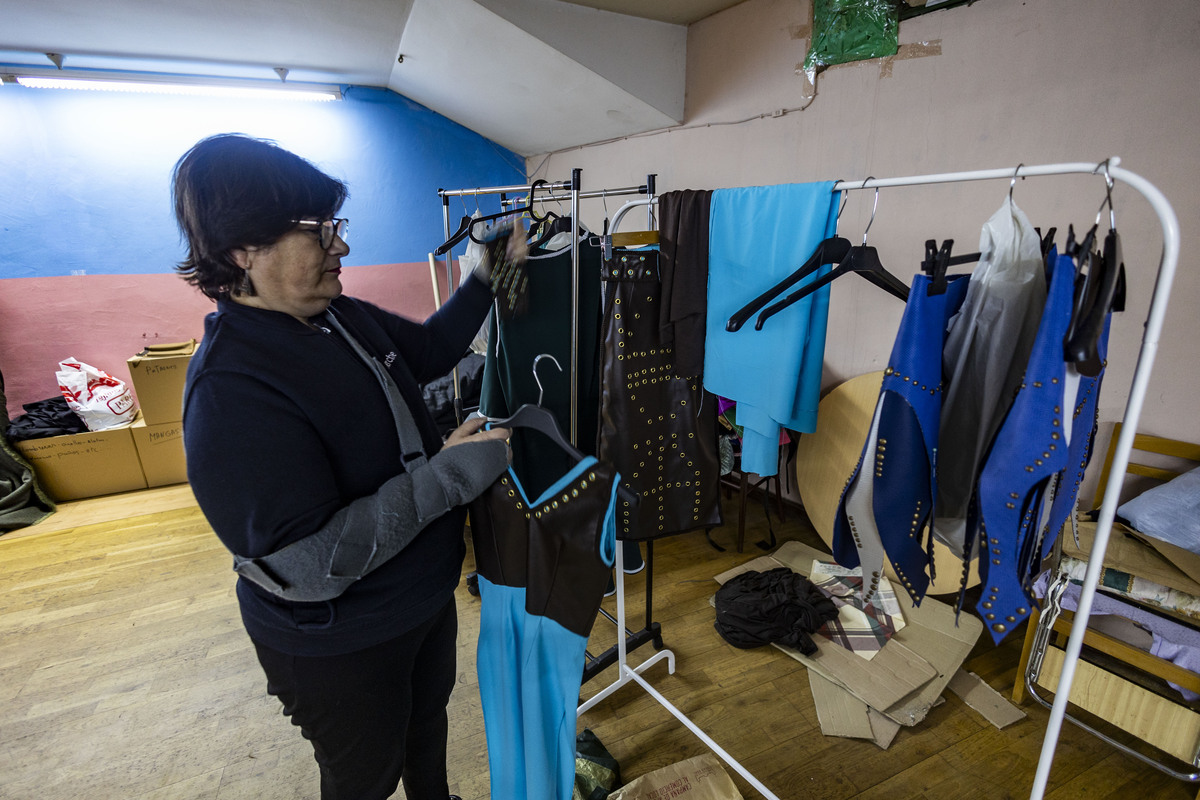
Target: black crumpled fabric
{"x":776,"y":606}
{"x":45,"y":418}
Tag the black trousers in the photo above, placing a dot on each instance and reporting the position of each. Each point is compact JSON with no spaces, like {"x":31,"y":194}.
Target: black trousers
{"x":375,"y":716}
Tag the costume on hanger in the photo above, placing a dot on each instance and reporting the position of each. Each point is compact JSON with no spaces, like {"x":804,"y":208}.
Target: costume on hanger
{"x":884,"y":513}
{"x":513,"y":344}
{"x":986,"y":350}
{"x":1079,"y":451}
{"x":1028,"y":450}
{"x":543,"y":566}
{"x":656,"y":426}
{"x":683,"y":228}
{"x":758,"y":236}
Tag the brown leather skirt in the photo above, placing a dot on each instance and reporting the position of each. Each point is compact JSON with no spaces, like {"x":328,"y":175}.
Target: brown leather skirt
{"x":658,"y":428}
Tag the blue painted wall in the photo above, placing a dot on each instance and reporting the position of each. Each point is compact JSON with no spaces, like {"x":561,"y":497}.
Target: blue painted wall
{"x":85,"y":176}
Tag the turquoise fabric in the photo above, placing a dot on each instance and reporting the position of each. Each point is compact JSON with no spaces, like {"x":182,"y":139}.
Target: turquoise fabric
{"x":757,"y":237}
{"x":530,"y":668}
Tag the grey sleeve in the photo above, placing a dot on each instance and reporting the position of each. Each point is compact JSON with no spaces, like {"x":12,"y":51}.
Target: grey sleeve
{"x":371,"y":530}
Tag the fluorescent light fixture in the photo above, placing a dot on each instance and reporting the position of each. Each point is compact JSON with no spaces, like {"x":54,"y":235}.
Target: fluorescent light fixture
{"x":259,"y":92}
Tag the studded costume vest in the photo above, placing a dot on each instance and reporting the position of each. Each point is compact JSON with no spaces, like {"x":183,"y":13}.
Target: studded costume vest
{"x":659,"y":428}
{"x":886,"y":505}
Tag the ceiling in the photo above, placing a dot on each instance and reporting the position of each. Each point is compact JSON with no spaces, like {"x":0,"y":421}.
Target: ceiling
{"x":531,"y":75}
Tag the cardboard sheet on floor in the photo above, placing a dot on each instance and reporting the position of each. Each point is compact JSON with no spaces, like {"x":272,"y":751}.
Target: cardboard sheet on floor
{"x":842,"y":714}
{"x":984,"y":699}
{"x":908,"y":676}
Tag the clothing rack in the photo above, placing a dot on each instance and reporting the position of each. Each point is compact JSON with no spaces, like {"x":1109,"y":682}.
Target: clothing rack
{"x":1169,"y":223}
{"x":1137,"y":393}
{"x":543,"y":191}
{"x":627,"y":674}
{"x":1109,"y":169}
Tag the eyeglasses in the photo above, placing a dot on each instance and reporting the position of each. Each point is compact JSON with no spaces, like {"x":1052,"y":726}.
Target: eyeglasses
{"x":327,"y":229}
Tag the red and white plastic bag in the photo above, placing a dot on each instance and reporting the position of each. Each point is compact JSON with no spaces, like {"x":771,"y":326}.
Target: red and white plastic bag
{"x":99,"y":399}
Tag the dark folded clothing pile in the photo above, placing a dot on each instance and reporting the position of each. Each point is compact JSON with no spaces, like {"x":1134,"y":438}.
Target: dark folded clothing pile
{"x":776,"y":606}
{"x":43,"y":418}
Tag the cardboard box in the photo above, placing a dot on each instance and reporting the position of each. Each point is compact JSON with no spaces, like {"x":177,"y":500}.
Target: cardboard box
{"x":85,"y":464}
{"x":158,"y":374}
{"x":160,"y":449}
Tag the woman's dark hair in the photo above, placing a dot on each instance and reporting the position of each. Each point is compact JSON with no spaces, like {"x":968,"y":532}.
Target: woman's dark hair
{"x":235,"y":191}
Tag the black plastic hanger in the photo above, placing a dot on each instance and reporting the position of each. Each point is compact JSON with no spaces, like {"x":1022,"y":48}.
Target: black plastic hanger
{"x":862,"y":259}
{"x":1096,"y":292}
{"x":467,"y":226}
{"x":464,"y":225}
{"x":1106,"y":272}
{"x":556,"y":226}
{"x":830,"y":251}
{"x":542,"y":420}
{"x":938,"y":260}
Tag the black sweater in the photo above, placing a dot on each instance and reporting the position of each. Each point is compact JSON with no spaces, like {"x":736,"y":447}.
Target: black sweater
{"x":284,"y":426}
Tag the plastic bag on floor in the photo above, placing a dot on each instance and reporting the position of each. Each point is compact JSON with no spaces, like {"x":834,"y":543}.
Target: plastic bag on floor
{"x":596,"y":771}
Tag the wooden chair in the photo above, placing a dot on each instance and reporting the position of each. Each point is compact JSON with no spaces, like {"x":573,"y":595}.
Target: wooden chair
{"x":1118,"y":684}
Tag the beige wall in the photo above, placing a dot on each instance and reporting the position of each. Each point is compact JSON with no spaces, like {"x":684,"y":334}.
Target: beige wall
{"x":1033,"y":81}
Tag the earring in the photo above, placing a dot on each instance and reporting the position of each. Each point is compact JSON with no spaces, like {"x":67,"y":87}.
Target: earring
{"x":245,"y":288}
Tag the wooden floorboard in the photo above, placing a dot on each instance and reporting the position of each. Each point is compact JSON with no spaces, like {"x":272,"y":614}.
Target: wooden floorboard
{"x":125,"y":674}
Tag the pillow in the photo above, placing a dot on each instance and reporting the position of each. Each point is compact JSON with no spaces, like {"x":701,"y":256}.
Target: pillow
{"x":1170,"y":512}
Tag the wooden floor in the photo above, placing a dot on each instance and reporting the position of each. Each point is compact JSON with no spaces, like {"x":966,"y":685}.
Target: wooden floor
{"x":125,"y":675}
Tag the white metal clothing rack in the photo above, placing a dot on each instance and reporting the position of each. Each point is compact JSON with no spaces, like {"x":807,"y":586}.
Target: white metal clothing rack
{"x":1137,"y":393}
{"x":627,"y":674}
{"x":1133,"y":409}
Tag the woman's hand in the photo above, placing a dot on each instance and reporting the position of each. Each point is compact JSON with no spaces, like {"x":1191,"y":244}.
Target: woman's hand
{"x":472,"y":431}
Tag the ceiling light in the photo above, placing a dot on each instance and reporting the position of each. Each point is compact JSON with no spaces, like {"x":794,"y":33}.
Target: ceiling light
{"x":183,"y":87}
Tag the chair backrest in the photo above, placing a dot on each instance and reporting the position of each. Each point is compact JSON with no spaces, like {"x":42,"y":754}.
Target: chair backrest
{"x":1146,"y":443}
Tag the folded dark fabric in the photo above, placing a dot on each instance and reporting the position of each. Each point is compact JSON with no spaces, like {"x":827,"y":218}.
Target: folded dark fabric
{"x":44,"y":418}
{"x":776,"y":606}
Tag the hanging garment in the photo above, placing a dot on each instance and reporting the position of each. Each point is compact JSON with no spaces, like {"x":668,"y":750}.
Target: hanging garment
{"x":683,"y":228}
{"x":986,"y":351}
{"x":757,"y":237}
{"x":508,"y":380}
{"x":543,"y":566}
{"x":467,"y":263}
{"x":1082,"y":434}
{"x":1028,"y":450}
{"x":656,"y":426}
{"x":883,"y":513}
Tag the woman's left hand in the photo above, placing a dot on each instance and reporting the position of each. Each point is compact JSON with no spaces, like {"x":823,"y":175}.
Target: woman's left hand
{"x":472,"y":431}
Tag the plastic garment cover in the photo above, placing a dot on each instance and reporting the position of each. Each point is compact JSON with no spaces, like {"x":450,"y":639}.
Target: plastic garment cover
{"x":851,"y":30}
{"x":987,"y":347}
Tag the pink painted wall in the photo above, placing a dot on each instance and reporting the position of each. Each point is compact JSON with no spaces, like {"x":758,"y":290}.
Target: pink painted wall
{"x":104,"y":319}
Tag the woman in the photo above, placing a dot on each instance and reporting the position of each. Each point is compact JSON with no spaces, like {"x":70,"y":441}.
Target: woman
{"x":313,"y":457}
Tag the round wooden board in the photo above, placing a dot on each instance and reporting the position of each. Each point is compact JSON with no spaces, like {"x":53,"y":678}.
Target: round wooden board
{"x":825,"y":459}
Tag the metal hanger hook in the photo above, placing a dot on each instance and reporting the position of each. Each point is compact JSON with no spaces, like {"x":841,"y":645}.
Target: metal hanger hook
{"x":1013,"y":182}
{"x":1108,"y":187}
{"x":874,"y":208}
{"x":842,"y":207}
{"x":536,"y":379}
